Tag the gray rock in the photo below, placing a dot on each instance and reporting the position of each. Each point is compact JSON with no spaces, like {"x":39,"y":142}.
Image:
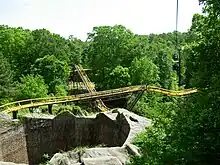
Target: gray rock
{"x":10,"y":163}
{"x":5,"y":122}
{"x":132,"y":149}
{"x":111,"y":154}
{"x":39,"y":116}
{"x":119,"y":152}
{"x":68,"y":158}
{"x":113,"y":128}
{"x":59,"y":159}
{"x":137,"y":124}
{"x":119,"y":123}
{"x":103,"y":160}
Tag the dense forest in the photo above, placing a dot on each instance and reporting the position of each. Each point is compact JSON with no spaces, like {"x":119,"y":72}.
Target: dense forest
{"x":37,"y":63}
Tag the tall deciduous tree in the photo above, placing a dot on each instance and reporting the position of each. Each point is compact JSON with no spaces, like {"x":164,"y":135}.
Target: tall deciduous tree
{"x":13,"y":46}
{"x":144,"y":71}
{"x":54,"y":71}
{"x":190,"y":134}
{"x":214,"y":4}
{"x":31,"y":87}
{"x":119,"y":77}
{"x":6,"y":79}
{"x":109,"y":47}
{"x":76,"y":47}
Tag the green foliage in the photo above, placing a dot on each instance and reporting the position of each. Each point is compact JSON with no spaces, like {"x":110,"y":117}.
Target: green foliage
{"x":76,"y":110}
{"x":144,"y":71}
{"x":60,"y":90}
{"x":61,"y":108}
{"x":107,"y":47}
{"x":31,"y":87}
{"x":190,"y":133}
{"x":45,"y":159}
{"x":54,"y":71}
{"x":23,"y":47}
{"x":165,"y":64}
{"x":42,"y":43}
{"x":118,"y":58}
{"x":119,"y":77}
{"x":76,"y":48}
{"x":148,"y":105}
{"x":153,"y":141}
{"x":215,"y":4}
{"x":110,"y":47}
{"x":6,"y":79}
{"x":13,"y":46}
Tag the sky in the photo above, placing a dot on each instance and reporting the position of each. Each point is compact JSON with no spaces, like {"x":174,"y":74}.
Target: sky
{"x":78,"y":17}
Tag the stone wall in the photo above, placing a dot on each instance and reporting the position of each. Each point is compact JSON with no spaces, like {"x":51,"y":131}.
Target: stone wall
{"x":112,"y":131}
{"x":39,"y":141}
{"x":63,"y":132}
{"x":49,"y":135}
{"x":13,"y":145}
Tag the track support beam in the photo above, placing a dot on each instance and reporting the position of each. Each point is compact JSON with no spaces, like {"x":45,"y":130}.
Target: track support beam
{"x":133,"y":102}
{"x":50,"y":108}
{"x":14,"y":114}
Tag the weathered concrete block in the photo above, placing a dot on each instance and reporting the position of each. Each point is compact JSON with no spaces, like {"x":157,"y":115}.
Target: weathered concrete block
{"x":10,"y":163}
{"x":119,"y":152}
{"x":104,"y":160}
{"x":13,"y":145}
{"x":69,"y":158}
{"x":42,"y":134}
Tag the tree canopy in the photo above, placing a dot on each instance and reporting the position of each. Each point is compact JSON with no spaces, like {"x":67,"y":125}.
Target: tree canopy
{"x":189,"y":132}
{"x":31,"y":87}
{"x":6,"y":79}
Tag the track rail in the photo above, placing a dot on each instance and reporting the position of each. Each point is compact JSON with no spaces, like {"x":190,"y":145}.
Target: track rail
{"x":19,"y":105}
{"x":100,"y":104}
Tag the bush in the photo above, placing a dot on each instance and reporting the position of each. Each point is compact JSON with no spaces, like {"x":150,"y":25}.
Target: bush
{"x":60,"y":90}
{"x":31,"y":87}
{"x":76,"y":110}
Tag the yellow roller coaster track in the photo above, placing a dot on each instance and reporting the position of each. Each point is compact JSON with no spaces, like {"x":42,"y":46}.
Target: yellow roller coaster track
{"x":91,"y":89}
{"x":19,"y":105}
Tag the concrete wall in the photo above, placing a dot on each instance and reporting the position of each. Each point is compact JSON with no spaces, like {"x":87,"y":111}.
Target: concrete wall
{"x":111,"y":132}
{"x":13,"y":147}
{"x":38,"y":139}
{"x":39,"y":136}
